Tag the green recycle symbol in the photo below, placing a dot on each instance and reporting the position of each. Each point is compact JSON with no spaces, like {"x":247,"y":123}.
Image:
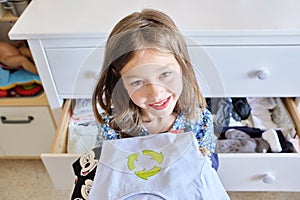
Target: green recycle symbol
{"x":144,"y":174}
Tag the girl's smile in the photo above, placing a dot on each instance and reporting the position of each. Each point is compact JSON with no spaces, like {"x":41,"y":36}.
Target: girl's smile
{"x":161,"y":104}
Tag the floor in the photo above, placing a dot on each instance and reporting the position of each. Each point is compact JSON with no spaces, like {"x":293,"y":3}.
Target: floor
{"x":28,"y":180}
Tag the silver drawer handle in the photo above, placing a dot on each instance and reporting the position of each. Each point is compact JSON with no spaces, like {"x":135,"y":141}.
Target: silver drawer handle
{"x":269,"y":179}
{"x":263,"y":74}
{"x":4,"y":120}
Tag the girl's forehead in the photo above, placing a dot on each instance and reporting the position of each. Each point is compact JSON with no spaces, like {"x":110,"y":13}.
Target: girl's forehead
{"x":149,"y":59}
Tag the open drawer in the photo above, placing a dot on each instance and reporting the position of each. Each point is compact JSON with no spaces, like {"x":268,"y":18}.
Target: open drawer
{"x":58,"y":162}
{"x":263,"y":171}
{"x":238,"y":172}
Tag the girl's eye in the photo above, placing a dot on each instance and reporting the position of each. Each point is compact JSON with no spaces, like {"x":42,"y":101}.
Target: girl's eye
{"x":137,"y":83}
{"x":165,"y":74}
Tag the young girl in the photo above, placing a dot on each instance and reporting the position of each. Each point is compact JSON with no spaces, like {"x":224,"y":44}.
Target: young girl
{"x":147,"y":86}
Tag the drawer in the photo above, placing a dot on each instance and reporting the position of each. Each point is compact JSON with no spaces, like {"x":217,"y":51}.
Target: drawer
{"x":58,"y":163}
{"x":252,"y":71}
{"x":238,"y":172}
{"x":25,"y":130}
{"x":75,"y":70}
{"x":260,"y":172}
{"x":264,"y":171}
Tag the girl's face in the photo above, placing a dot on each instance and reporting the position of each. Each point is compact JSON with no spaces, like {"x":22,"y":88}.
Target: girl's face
{"x":153,"y":81}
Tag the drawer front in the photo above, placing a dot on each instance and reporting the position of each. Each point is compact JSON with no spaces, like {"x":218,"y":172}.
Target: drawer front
{"x":237,"y":71}
{"x":75,"y":70}
{"x":260,"y":172}
{"x":220,"y":70}
{"x":59,"y":168}
{"x":21,"y":135}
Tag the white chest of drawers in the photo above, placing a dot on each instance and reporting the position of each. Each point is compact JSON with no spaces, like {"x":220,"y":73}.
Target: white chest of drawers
{"x":238,"y":48}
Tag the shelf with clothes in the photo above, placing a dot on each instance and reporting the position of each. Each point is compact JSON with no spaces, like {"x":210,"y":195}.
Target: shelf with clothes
{"x":18,"y":73}
{"x":24,"y":109}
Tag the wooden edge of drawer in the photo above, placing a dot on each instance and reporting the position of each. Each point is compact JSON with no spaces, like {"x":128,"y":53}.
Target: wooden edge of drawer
{"x":59,"y":144}
{"x":39,"y":100}
{"x":4,"y":157}
{"x":290,"y":105}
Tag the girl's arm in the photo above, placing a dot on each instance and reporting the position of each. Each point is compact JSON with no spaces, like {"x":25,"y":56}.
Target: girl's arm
{"x":204,"y":133}
{"x":207,"y":138}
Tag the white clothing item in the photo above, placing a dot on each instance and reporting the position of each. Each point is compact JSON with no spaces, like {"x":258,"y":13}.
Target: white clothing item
{"x":268,"y":113}
{"x":83,"y":129}
{"x":281,"y":117}
{"x":161,"y":166}
{"x":271,"y":137}
{"x":262,"y":120}
{"x":82,"y":106}
{"x":262,"y":102}
{"x":260,"y":112}
{"x":82,"y":137}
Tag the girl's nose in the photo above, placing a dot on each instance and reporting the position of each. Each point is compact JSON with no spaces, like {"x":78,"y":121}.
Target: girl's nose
{"x":154,"y":90}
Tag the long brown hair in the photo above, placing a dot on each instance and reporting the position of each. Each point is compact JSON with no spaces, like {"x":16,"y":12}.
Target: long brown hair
{"x":148,"y":29}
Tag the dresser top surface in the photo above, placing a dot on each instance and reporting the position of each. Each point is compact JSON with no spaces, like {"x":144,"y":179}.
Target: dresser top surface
{"x":95,"y":18}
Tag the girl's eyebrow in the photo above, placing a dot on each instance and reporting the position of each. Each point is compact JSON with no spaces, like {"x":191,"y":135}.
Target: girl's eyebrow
{"x":163,"y":67}
{"x":131,"y":76}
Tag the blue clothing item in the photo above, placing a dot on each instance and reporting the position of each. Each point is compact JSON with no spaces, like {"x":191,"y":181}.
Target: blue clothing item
{"x":202,"y":128}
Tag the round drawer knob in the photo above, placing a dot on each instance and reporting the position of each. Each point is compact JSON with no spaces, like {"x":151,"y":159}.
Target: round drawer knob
{"x":269,"y":179}
{"x":263,"y":74}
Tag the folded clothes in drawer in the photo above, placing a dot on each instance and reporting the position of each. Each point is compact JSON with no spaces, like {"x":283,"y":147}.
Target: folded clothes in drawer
{"x":252,"y":140}
{"x":252,"y":125}
{"x":269,"y":113}
{"x":261,"y":114}
{"x":82,"y":132}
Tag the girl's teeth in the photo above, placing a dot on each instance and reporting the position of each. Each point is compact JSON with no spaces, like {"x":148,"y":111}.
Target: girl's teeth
{"x":161,"y":103}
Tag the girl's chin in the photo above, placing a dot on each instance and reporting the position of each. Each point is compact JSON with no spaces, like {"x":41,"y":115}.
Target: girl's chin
{"x":160,"y":113}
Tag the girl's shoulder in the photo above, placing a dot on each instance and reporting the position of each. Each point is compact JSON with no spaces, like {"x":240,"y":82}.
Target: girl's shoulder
{"x":106,"y":117}
{"x":182,"y":121}
{"x":203,"y":115}
{"x":105,"y":128}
